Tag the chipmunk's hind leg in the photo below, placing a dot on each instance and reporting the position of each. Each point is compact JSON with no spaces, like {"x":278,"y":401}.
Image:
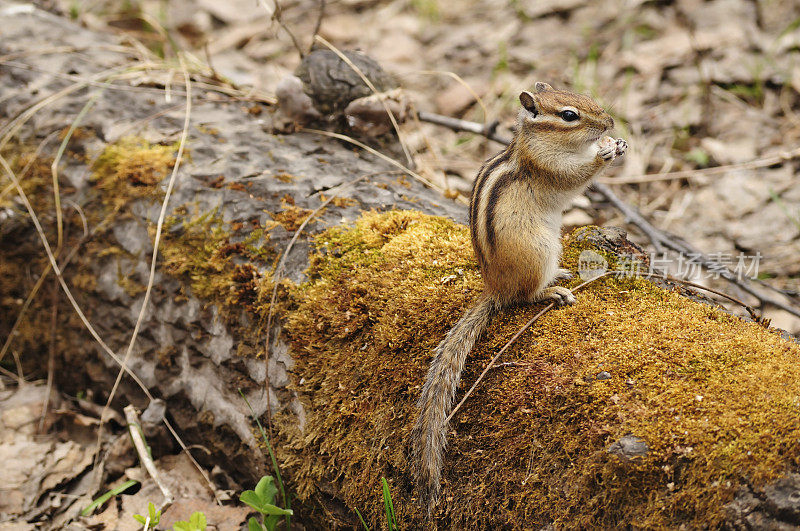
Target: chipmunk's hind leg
{"x":561,"y":295}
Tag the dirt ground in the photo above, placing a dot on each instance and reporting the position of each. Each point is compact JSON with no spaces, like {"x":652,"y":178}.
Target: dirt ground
{"x":692,"y":84}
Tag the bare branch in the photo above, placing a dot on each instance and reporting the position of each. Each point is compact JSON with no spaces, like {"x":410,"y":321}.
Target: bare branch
{"x":314,"y":34}
{"x":135,"y":429}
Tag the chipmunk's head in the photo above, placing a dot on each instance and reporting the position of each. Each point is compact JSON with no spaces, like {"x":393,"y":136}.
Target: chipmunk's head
{"x":558,"y":120}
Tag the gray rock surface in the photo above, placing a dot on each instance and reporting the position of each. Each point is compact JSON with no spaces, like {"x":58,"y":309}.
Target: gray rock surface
{"x":629,"y":447}
{"x":235,"y":166}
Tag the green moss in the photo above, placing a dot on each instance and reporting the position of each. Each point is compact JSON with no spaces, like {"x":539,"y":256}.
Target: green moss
{"x":33,"y":174}
{"x":201,"y":251}
{"x":132,"y":168}
{"x":715,"y":397}
{"x":291,"y":217}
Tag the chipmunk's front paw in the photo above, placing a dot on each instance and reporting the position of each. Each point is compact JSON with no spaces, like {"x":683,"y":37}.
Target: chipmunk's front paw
{"x":607,"y":148}
{"x":621,"y":147}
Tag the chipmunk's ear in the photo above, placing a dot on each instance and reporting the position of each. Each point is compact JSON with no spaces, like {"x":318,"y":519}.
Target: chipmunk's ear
{"x":526,"y":99}
{"x":542,"y":87}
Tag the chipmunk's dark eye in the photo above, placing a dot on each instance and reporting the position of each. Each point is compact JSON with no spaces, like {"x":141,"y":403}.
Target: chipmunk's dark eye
{"x":568,"y":116}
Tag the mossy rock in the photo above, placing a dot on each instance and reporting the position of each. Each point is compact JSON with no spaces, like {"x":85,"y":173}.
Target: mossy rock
{"x":709,"y":399}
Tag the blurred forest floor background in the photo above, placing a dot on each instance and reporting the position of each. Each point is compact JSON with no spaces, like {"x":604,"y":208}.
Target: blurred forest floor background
{"x":692,"y":84}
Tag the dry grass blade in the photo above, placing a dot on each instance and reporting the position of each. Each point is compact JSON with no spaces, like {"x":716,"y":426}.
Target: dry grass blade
{"x":459,"y":80}
{"x":20,"y":373}
{"x":86,"y":322}
{"x":13,"y":376}
{"x":32,"y":295}
{"x":381,"y":156}
{"x":54,"y":170}
{"x":217,"y":85}
{"x":42,"y":51}
{"x":88,"y":81}
{"x":63,"y":49}
{"x":159,"y":227}
{"x":7,"y":190}
{"x":51,"y":355}
{"x":369,"y":84}
{"x":40,"y":281}
{"x":23,"y":196}
{"x":11,"y":128}
{"x":162,"y":215}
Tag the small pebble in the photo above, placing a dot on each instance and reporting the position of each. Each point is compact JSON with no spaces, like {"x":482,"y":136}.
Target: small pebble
{"x":629,"y":447}
{"x":604,"y":376}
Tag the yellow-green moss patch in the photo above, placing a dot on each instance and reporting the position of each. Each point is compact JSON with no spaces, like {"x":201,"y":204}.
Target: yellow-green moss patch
{"x":221,"y":263}
{"x":202,"y":250}
{"x":714,"y":397}
{"x":291,"y":217}
{"x":131,"y":167}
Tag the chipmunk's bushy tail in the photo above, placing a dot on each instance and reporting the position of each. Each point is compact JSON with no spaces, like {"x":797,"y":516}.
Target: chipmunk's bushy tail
{"x":429,"y":437}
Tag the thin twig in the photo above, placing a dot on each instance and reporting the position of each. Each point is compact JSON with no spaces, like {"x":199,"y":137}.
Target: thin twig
{"x":320,"y":16}
{"x":51,"y":356}
{"x":40,"y":281}
{"x":135,"y":429}
{"x":277,"y":16}
{"x":633,"y":216}
{"x":160,"y":224}
{"x":710,"y":290}
{"x":456,"y":124}
{"x":512,"y":364}
{"x":659,"y":238}
{"x":514,"y":338}
{"x":496,"y":357}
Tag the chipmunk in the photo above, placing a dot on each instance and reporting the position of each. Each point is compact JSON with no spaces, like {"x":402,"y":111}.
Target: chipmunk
{"x":515,"y":214}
